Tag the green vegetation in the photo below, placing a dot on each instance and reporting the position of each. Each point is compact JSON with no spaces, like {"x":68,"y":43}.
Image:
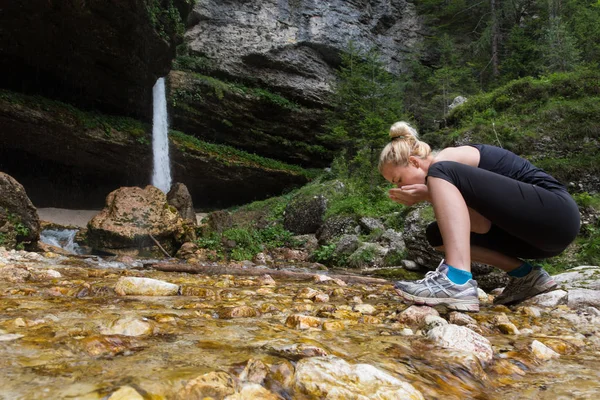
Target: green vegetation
{"x":166,"y":19}
{"x":17,"y":232}
{"x":232,"y":156}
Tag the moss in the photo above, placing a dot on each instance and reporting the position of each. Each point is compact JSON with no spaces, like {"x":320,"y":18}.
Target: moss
{"x":166,"y":19}
{"x":231,"y":156}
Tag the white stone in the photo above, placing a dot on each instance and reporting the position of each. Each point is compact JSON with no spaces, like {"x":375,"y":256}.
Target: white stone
{"x":128,"y":326}
{"x":482,"y":296}
{"x":542,"y":352}
{"x":366,"y":309}
{"x":583,"y":297}
{"x":145,"y":287}
{"x":550,"y":299}
{"x":126,"y":393}
{"x":462,"y":339}
{"x":9,"y":337}
{"x":583,"y":277}
{"x":334,"y":378}
{"x":432,"y":321}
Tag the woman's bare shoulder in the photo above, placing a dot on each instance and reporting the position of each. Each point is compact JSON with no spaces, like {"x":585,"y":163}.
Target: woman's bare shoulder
{"x":463,"y":154}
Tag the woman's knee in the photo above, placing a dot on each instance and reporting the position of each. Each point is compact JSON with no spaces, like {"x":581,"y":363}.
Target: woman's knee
{"x":433,"y":235}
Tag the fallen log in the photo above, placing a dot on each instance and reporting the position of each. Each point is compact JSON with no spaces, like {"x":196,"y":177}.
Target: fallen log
{"x":212,"y":269}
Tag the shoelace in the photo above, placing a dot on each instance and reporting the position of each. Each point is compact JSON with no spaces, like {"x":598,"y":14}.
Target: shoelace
{"x":429,"y":276}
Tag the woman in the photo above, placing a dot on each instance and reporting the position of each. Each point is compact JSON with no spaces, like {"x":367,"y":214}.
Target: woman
{"x":491,"y":206}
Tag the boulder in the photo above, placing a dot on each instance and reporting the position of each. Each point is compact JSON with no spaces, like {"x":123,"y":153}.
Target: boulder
{"x":131,"y":215}
{"x":335,"y":227}
{"x":304,"y":215}
{"x":19,"y":221}
{"x":180,"y":198}
{"x":417,"y":246}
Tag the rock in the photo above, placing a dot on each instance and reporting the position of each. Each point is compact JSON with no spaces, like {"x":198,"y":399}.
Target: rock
{"x":370,"y":224}
{"x":304,"y":214}
{"x":298,"y":321}
{"x":502,"y":322}
{"x":458,"y":100}
{"x":459,"y":318}
{"x":212,"y":385}
{"x":14,"y":274}
{"x":583,"y":277}
{"x":255,"y":371}
{"x":482,"y":296}
{"x":542,"y":352}
{"x":433,"y":321}
{"x":180,"y":198}
{"x":333,"y":378}
{"x":321,"y":298}
{"x":530,"y":311}
{"x":549,"y":299}
{"x":296,"y":351}
{"x":126,"y":393}
{"x":253,"y":391}
{"x":8,"y":337}
{"x":415,"y":315}
{"x":367,"y":255}
{"x":462,"y":339}
{"x":347,"y":245}
{"x":187,"y":250}
{"x":266,"y":280}
{"x":410,"y":265}
{"x":128,"y":326}
{"x":108,"y":345}
{"x":131,"y":215}
{"x":237,"y":312}
{"x":417,"y":246}
{"x":145,"y":287}
{"x":333,"y":326}
{"x":306,"y":293}
{"x":336,"y":226}
{"x":366,"y":309}
{"x":19,"y":220}
{"x":583,"y":297}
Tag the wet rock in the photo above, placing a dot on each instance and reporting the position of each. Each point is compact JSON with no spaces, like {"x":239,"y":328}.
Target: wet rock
{"x":583,"y":297}
{"x":215,"y":385}
{"x":530,"y":311}
{"x":321,"y":298}
{"x":296,"y":351}
{"x":255,"y":371}
{"x":333,"y":378}
{"x":108,"y":345}
{"x":204,"y":293}
{"x":145,"y":287}
{"x":366,"y":309}
{"x":483,"y":296}
{"x":14,"y":274}
{"x":266,"y":280}
{"x":433,"y":321}
{"x":126,"y":393}
{"x":187,"y":250}
{"x":458,"y":318}
{"x":253,"y":391}
{"x":504,"y":325}
{"x":16,"y":210}
{"x":298,"y":321}
{"x":583,"y":277}
{"x":415,"y":315}
{"x":542,"y":352}
{"x":550,"y":299}
{"x":128,"y":326}
{"x":333,"y":326}
{"x":237,"y":312}
{"x":306,"y":293}
{"x":462,"y":339}
{"x":8,"y":337}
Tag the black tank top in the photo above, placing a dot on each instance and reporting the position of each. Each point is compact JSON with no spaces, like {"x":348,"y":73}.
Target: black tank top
{"x":509,"y":164}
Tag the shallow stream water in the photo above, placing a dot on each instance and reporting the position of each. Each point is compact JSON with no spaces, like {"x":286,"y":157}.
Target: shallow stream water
{"x":74,"y":338}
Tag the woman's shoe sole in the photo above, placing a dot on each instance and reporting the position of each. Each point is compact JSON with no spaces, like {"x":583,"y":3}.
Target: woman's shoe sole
{"x":452,"y":304}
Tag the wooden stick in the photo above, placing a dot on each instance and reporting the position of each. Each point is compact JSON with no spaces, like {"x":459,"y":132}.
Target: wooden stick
{"x":159,"y":246}
{"x":213,"y":269}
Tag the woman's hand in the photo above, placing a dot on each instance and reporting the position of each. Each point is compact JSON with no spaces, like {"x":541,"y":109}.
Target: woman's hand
{"x":410,"y":194}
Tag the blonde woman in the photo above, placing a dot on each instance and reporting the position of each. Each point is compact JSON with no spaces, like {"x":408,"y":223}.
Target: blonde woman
{"x":491,"y":206}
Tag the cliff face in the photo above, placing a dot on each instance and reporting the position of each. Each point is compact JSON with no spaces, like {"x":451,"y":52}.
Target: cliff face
{"x":290,"y":50}
{"x":97,"y":54}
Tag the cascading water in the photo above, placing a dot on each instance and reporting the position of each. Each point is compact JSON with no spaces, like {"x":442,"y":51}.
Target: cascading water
{"x":161,"y":175}
{"x":63,"y":238}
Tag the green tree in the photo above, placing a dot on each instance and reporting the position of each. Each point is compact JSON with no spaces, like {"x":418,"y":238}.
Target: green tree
{"x":367,"y":100}
{"x":560,"y":52}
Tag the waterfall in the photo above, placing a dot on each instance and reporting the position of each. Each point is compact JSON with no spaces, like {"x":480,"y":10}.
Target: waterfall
{"x":161,"y":174}
{"x":63,"y":238}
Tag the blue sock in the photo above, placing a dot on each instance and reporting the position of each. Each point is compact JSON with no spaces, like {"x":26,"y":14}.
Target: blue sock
{"x":458,"y":276}
{"x":521,"y":271}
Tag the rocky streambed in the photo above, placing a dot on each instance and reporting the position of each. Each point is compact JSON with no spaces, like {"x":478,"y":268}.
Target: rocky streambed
{"x":76,"y":328}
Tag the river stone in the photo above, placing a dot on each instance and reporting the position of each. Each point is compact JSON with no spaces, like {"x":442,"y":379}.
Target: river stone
{"x":298,"y":321}
{"x":463,"y":339}
{"x":333,"y":378}
{"x":459,"y":318}
{"x":433,"y":321}
{"x":8,"y":337}
{"x":253,"y":391}
{"x":542,"y":352}
{"x":549,"y":299}
{"x":14,"y":274}
{"x":255,"y":371}
{"x":126,"y":393}
{"x":237,"y":312}
{"x":415,"y":315}
{"x":583,"y":297}
{"x":367,"y":309}
{"x":145,"y":287}
{"x":295,"y":351}
{"x":128,"y":326}
{"x":212,"y":385}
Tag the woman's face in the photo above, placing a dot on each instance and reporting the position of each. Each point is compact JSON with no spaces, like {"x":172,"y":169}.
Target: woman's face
{"x":410,"y":174}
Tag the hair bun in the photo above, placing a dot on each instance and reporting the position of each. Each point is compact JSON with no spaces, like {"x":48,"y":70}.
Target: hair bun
{"x":403,"y":130}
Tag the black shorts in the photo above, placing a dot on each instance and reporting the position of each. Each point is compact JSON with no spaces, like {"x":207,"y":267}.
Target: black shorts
{"x":528,"y":221}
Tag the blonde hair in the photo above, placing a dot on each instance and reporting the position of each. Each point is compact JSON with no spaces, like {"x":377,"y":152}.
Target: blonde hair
{"x":405,"y":143}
